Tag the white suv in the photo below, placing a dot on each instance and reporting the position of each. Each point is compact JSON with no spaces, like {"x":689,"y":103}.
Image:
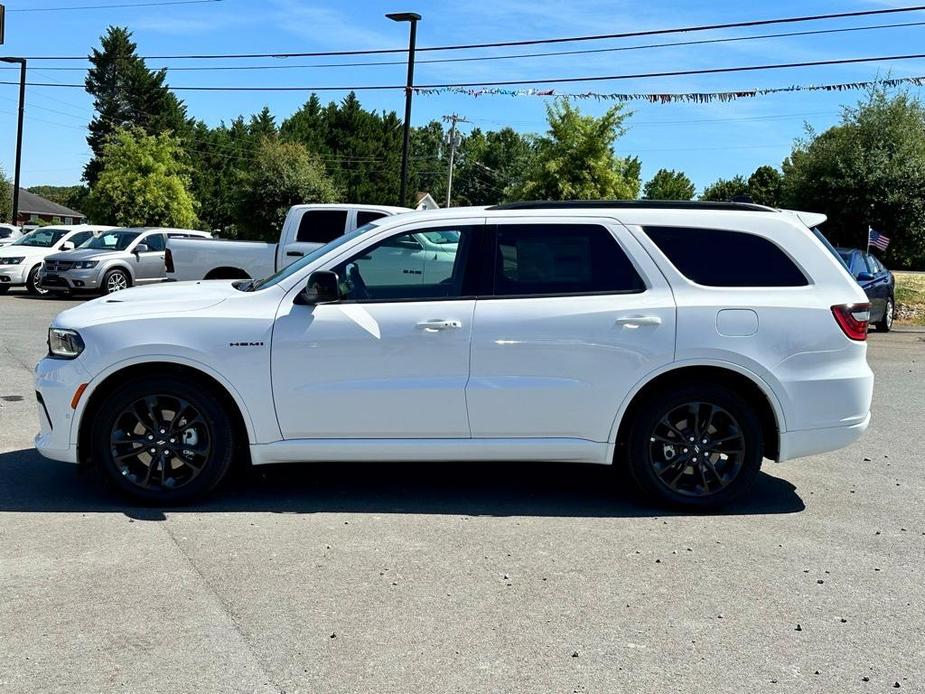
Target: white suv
{"x":686,"y":341}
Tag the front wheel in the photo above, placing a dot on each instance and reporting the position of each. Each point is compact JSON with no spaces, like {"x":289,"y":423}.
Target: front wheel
{"x":4,"y":288}
{"x":885,"y":324}
{"x":698,"y":445}
{"x":115,"y":281}
{"x":163,"y":440}
{"x":32,"y":282}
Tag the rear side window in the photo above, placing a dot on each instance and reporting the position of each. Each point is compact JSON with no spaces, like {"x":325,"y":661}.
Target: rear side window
{"x":322,"y":226}
{"x":544,"y":260}
{"x":719,"y":258}
{"x":367,"y":216}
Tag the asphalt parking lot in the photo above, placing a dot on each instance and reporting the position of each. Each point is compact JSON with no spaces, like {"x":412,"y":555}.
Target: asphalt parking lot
{"x":532,"y":578}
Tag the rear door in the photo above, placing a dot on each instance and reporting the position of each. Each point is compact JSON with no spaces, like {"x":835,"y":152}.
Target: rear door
{"x":578,"y":314}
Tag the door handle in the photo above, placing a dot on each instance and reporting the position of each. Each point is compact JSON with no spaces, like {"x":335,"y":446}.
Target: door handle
{"x":633,"y":322}
{"x":433,"y":326}
{"x":295,"y":254}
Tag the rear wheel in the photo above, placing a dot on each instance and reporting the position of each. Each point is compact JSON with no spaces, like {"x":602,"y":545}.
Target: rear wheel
{"x":162,"y":440}
{"x":115,"y":281}
{"x":32,"y":282}
{"x":885,"y":324}
{"x":699,"y":445}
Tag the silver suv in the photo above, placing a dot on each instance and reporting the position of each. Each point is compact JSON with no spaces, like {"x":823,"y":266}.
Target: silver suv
{"x":112,"y":261}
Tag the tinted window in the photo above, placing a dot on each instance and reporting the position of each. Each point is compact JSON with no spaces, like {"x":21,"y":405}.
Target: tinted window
{"x":874,"y":264}
{"x":80,"y":237}
{"x":322,"y":226}
{"x":400,"y":268}
{"x":5,"y":233}
{"x":155,"y":242}
{"x":560,"y":259}
{"x":716,"y":258}
{"x":366,"y":216}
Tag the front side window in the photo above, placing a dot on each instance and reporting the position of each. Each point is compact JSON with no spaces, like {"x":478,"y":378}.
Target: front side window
{"x":80,"y":237}
{"x":322,"y":226}
{"x":112,"y":240}
{"x":155,"y":242}
{"x":721,"y":258}
{"x":555,"y":259}
{"x":400,"y":268}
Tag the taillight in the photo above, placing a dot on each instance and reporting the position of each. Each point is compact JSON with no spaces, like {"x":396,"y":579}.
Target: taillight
{"x":853,"y":319}
{"x":168,"y":260}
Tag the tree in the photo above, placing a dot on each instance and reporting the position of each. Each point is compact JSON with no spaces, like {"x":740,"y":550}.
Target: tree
{"x":576,"y":159}
{"x":766,"y":186}
{"x":282,"y":174}
{"x":73,"y":197}
{"x":143,"y":181}
{"x":724,"y":189}
{"x":489,"y":164}
{"x":126,"y":94}
{"x":867,"y":170}
{"x":669,"y":185}
{"x":6,"y":198}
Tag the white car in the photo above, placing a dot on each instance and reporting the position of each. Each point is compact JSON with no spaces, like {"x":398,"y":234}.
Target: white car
{"x":306,"y":228}
{"x":8,"y":234}
{"x":21,"y":261}
{"x":686,"y":341}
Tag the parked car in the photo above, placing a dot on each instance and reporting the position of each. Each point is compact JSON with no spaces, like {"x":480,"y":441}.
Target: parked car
{"x":112,"y":261}
{"x":876,"y":281}
{"x":21,"y":261}
{"x":678,"y":340}
{"x":305,"y":228}
{"x":8,"y":234}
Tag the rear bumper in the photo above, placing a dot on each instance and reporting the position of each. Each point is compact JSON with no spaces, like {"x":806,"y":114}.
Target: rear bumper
{"x":799,"y":444}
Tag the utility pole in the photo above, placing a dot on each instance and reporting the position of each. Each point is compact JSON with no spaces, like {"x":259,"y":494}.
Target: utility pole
{"x":452,"y":139}
{"x":22,"y":107}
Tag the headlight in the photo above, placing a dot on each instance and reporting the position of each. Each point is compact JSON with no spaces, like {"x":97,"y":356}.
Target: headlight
{"x":86,"y":264}
{"x":12,"y":261}
{"x":64,"y":344}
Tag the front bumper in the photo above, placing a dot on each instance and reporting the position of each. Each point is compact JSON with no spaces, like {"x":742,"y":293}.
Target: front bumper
{"x":13,"y":275}
{"x":56,"y":381}
{"x":70,"y":279}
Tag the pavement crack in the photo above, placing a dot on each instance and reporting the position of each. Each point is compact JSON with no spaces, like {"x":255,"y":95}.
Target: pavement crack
{"x":16,"y":359}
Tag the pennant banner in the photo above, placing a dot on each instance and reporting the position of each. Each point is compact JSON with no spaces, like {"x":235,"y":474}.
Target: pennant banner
{"x":672,"y":97}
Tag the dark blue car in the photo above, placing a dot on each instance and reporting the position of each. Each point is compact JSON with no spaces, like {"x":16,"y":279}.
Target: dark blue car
{"x":876,"y":281}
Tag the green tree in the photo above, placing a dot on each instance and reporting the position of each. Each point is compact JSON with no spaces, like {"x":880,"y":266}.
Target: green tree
{"x":766,"y":186}
{"x":6,"y":197}
{"x":489,"y":164}
{"x":669,"y":185}
{"x":143,"y":181}
{"x":282,"y":174}
{"x":724,"y":189}
{"x":867,"y":170}
{"x":126,"y":94}
{"x":576,"y":159}
{"x":73,"y":197}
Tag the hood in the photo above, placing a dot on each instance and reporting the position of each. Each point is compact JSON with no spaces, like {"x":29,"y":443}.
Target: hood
{"x":83,"y":254}
{"x":25,"y":251}
{"x":146,"y":302}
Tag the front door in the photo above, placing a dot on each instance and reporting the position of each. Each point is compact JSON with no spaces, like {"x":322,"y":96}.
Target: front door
{"x":572,"y":326}
{"x":390,"y":360}
{"x":149,"y":265}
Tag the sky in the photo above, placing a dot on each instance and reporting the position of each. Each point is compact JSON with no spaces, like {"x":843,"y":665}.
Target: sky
{"x":706,"y":141}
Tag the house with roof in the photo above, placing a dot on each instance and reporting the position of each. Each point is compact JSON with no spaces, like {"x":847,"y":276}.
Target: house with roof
{"x":34,"y":209}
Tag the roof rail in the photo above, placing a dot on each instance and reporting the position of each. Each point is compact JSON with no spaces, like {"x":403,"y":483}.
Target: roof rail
{"x":632,"y":204}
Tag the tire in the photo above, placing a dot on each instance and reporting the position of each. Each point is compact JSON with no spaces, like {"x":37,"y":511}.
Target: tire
{"x":4,"y":288}
{"x":32,"y":282}
{"x":885,"y":324}
{"x":671,"y":469}
{"x":183,"y":422}
{"x":115,"y":281}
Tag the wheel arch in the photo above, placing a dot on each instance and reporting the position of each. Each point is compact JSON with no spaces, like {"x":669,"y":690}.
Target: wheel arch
{"x":241,"y":423}
{"x":745,"y":383}
{"x":124,"y":267}
{"x":227,"y":272}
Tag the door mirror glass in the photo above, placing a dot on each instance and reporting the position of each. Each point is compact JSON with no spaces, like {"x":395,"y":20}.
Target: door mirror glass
{"x":67,"y":246}
{"x":321,"y":288}
{"x":142,"y":248}
{"x":865,"y":277}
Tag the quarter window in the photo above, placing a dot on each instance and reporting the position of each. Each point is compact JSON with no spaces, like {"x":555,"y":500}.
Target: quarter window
{"x":551,"y":259}
{"x":367,"y":216}
{"x":720,"y":258}
{"x":400,"y":268}
{"x":322,"y":226}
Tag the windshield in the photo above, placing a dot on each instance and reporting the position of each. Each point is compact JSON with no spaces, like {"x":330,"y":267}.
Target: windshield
{"x":41,"y":238}
{"x":846,"y":257}
{"x":309,"y":258}
{"x":111,"y":241}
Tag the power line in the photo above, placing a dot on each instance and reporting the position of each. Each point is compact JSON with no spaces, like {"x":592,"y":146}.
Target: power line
{"x":515,"y":56}
{"x":502,"y":83}
{"x":527,"y":42}
{"x":109,"y":7}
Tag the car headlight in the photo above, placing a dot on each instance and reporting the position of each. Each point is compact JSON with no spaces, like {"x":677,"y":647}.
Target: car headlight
{"x":64,"y":344}
{"x":86,"y":264}
{"x":12,"y":261}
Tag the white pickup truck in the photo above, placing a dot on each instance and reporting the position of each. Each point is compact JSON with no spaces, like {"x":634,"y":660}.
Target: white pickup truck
{"x":306,"y":228}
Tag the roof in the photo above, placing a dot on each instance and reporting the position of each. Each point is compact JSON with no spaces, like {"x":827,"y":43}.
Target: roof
{"x":36,"y":204}
{"x":631,"y":204}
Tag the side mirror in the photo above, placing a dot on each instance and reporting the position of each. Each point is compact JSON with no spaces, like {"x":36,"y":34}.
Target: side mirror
{"x":322,"y":288}
{"x":68,"y":246}
{"x":142,"y":248}
{"x":865,"y":277}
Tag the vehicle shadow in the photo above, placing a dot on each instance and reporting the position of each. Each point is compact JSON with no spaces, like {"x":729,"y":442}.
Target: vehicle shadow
{"x":29,"y":483}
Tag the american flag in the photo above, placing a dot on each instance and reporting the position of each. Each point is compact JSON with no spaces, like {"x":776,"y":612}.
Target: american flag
{"x":876,"y":239}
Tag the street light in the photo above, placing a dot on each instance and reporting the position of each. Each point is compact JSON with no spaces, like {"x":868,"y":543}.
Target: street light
{"x":412,"y":18}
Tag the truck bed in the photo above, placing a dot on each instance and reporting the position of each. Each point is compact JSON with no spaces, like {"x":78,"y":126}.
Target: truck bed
{"x":197,"y":259}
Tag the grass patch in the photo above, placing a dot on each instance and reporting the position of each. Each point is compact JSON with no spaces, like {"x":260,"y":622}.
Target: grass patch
{"x":910,"y":292}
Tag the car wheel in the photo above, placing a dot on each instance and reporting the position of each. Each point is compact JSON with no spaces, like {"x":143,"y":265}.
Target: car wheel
{"x":163,"y":440}
{"x":697,"y":446}
{"x":885,"y":324}
{"x":115,"y":281}
{"x":32,"y":282}
{"x":4,"y":288}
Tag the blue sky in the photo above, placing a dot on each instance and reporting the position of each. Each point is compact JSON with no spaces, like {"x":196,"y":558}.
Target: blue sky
{"x":706,"y":141}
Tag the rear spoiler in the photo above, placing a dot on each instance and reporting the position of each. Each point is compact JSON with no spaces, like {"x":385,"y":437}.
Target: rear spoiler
{"x":810,"y":219}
